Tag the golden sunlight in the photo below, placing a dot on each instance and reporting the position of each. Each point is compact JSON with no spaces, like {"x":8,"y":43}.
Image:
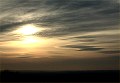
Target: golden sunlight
{"x":31,"y":41}
{"x":28,"y":39}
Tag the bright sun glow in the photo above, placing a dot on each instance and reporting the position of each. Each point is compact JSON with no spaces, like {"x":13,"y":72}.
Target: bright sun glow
{"x":28,"y":39}
{"x":30,"y":42}
{"x":28,"y":30}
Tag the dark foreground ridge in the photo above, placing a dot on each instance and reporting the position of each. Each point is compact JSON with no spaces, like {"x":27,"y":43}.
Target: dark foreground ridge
{"x":60,"y":76}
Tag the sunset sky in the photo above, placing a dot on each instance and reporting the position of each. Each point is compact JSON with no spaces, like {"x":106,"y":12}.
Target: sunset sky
{"x":59,"y":35}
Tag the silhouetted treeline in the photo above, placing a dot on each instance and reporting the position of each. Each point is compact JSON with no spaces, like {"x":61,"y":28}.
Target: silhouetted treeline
{"x":60,"y":76}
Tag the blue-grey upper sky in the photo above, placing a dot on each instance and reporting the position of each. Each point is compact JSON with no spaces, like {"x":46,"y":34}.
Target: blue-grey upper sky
{"x":72,"y":35}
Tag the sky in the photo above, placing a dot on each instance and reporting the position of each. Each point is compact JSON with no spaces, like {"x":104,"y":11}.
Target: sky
{"x":59,"y":35}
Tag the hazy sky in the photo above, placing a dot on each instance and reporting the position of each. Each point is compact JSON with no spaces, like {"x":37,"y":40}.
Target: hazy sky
{"x":59,"y":34}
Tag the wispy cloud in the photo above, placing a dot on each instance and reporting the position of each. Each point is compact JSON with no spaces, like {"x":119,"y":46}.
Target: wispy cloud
{"x":83,"y":48}
{"x":71,"y":16}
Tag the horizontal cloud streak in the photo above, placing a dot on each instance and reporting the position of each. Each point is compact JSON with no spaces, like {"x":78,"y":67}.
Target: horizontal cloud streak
{"x":83,"y":48}
{"x":111,"y":52}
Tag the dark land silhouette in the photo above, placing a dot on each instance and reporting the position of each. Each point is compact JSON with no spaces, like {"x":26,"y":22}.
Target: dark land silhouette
{"x":60,"y":76}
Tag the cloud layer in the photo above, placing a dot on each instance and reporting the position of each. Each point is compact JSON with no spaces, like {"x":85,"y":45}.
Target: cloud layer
{"x":64,"y":17}
{"x":83,"y":26}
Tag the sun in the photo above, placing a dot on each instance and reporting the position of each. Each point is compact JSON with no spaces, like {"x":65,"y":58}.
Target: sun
{"x":28,"y":30}
{"x":27,"y":37}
